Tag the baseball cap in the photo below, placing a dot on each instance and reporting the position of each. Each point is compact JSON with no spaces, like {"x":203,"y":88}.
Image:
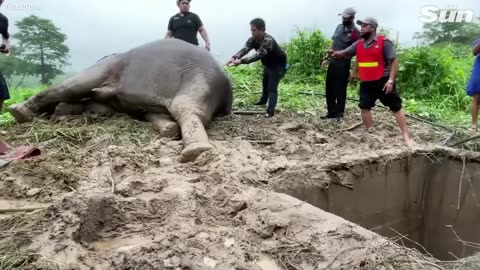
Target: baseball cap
{"x":348,"y":12}
{"x":368,"y":20}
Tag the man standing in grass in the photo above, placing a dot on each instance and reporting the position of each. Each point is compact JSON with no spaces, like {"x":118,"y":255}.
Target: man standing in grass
{"x":473,"y":87}
{"x":185,"y":25}
{"x":338,"y":72}
{"x":4,"y":48}
{"x":377,"y":66}
{"x":273,"y":58}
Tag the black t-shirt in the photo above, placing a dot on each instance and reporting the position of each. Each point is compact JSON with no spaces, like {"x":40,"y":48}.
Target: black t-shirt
{"x":185,"y":27}
{"x":4,"y":26}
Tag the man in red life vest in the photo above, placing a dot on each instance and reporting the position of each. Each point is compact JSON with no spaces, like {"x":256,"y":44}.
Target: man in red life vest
{"x":377,"y":66}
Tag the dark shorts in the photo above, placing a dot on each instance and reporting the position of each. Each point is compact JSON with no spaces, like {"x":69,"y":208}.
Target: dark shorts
{"x":371,"y":91}
{"x":4,"y":94}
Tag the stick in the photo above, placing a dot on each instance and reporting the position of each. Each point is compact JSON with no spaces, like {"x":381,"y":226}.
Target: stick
{"x":352,"y":127}
{"x":262,"y":142}
{"x":449,"y":138}
{"x":16,"y":210}
{"x":413,"y":242}
{"x":323,"y":95}
{"x":473,"y":191}
{"x":460,"y":184}
{"x":427,"y":122}
{"x":465,"y":140}
{"x":112,"y":180}
{"x":248,"y":112}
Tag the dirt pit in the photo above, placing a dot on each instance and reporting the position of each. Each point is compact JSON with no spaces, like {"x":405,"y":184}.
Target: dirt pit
{"x":109,"y":193}
{"x":427,"y":202}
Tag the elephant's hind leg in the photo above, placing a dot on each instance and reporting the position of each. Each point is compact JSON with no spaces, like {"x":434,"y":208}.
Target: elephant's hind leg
{"x":72,"y":90}
{"x":164,"y":124}
{"x":192,"y":120}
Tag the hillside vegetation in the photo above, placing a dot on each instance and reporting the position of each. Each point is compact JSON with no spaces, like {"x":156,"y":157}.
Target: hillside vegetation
{"x":431,"y":80}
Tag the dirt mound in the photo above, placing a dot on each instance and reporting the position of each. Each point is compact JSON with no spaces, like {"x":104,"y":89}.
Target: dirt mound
{"x":121,"y":200}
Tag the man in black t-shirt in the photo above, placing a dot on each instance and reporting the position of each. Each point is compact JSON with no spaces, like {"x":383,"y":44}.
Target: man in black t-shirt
{"x":185,"y":25}
{"x":5,"y":48}
{"x":273,"y":58}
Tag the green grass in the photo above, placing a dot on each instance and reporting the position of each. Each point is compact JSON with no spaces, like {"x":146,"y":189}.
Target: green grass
{"x":431,"y":81}
{"x":16,"y":96}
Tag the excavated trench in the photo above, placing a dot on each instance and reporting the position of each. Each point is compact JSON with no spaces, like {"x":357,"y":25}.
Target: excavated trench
{"x":416,"y":198}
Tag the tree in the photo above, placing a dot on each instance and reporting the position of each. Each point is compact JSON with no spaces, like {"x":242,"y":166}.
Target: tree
{"x":42,"y":43}
{"x":459,"y":33}
{"x":11,"y":65}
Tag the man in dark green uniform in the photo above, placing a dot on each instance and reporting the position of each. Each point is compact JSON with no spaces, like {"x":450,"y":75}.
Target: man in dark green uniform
{"x":273,"y":58}
{"x":338,"y":72}
{"x":185,"y":25}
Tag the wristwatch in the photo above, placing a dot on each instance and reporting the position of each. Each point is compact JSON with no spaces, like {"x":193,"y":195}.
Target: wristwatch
{"x":390,"y":81}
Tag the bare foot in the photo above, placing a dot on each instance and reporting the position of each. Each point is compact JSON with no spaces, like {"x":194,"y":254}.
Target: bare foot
{"x":472,"y":129}
{"x":408,"y":142}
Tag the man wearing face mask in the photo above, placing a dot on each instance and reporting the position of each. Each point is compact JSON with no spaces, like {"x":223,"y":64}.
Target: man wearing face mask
{"x":338,"y":71}
{"x":377,"y":67}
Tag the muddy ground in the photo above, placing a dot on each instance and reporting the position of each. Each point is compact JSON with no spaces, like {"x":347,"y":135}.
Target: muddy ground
{"x":112,"y":195}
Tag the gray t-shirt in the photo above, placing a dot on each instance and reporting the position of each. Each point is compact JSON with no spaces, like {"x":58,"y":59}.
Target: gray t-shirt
{"x":389,"y":53}
{"x":343,"y":37}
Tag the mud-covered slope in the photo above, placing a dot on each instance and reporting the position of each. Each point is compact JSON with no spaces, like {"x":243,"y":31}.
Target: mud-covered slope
{"x":119,"y":199}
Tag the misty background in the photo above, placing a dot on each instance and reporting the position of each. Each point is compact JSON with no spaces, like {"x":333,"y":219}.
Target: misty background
{"x":96,"y":28}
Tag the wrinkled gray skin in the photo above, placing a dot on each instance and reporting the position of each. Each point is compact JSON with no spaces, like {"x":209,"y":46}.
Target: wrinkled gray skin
{"x":176,"y":86}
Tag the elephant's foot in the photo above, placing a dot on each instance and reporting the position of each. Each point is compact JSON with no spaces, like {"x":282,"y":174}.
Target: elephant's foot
{"x":193,"y":150}
{"x":166,"y":126}
{"x":99,"y":108}
{"x":64,"y":108}
{"x":170,"y":130}
{"x":21,"y":113}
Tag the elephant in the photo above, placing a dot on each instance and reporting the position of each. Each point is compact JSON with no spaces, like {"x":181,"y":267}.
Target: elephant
{"x":177,"y":86}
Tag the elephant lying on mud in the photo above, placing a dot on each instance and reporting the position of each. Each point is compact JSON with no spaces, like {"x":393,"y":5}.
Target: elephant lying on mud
{"x":177,"y":86}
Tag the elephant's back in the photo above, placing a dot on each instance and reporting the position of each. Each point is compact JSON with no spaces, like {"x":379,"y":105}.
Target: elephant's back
{"x":154,"y":72}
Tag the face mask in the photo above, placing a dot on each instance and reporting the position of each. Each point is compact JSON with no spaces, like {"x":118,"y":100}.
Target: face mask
{"x":366,"y":35}
{"x":346,"y":23}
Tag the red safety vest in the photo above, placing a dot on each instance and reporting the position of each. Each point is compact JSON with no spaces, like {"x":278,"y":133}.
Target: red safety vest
{"x":370,"y":60}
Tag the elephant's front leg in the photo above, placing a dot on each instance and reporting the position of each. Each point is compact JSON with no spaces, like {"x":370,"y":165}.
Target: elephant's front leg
{"x":195,"y":139}
{"x":68,"y":108}
{"x":86,"y":106}
{"x":164,"y":124}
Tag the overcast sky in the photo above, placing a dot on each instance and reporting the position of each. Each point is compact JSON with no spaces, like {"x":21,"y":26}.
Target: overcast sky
{"x":96,"y":28}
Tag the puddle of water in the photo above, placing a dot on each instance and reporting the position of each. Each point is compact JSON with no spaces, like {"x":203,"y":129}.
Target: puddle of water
{"x":124,"y":242}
